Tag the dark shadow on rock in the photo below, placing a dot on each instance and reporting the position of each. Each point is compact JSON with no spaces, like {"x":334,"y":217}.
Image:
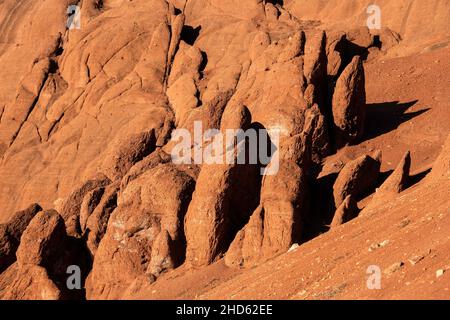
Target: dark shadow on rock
{"x":382,"y":118}
{"x":244,"y":198}
{"x":348,"y":50}
{"x":322,"y":207}
{"x":178,"y":247}
{"x":382,"y":177}
{"x":275,"y":2}
{"x":263,"y":141}
{"x":204,"y":61}
{"x":75,"y":253}
{"x":377,"y":43}
{"x":416,"y":178}
{"x":190,"y":34}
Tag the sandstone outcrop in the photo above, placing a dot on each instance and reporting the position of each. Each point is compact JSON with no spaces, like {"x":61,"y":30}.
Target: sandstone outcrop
{"x":396,"y":182}
{"x":32,"y":284}
{"x":161,"y":256}
{"x":11,"y":232}
{"x":349,"y":103}
{"x":72,"y":206}
{"x":43,"y":257}
{"x":356,"y":178}
{"x":346,"y":212}
{"x":97,"y":221}
{"x":441,"y":167}
{"x":245,"y":250}
{"x":38,"y":242}
{"x":277,"y":222}
{"x":223,"y":198}
{"x":87,"y":124}
{"x":125,"y":250}
{"x":335,"y":51}
{"x":398,"y":179}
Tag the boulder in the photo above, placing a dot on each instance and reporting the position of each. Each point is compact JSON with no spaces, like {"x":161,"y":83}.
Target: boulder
{"x":294,"y":48}
{"x":317,"y":130}
{"x":32,"y":284}
{"x":349,"y":103}
{"x":315,"y":60}
{"x":357,"y":178}
{"x":176,"y":28}
{"x":394,"y":184}
{"x":272,"y":12}
{"x":11,"y":232}
{"x":43,"y":240}
{"x":236,"y":116}
{"x":44,"y":254}
{"x":315,"y":66}
{"x":284,"y":198}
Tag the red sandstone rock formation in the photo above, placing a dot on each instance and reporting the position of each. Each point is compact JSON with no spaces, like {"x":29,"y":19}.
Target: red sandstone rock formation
{"x":88,"y":116}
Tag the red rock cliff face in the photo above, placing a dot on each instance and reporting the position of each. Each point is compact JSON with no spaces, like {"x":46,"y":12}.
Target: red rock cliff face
{"x":87,"y":116}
